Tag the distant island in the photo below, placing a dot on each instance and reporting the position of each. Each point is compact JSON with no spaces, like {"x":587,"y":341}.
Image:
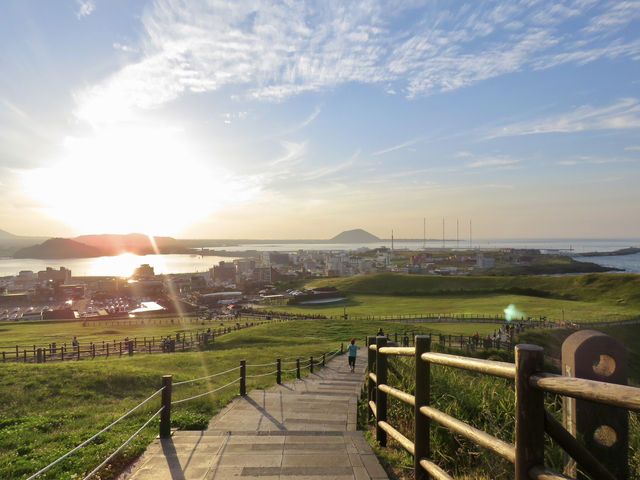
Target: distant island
{"x":90,"y":246}
{"x":355,"y":236}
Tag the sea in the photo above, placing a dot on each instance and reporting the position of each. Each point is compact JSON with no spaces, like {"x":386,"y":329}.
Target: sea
{"x":124,"y":265}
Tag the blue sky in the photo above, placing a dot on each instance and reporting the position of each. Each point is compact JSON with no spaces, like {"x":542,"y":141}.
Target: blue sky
{"x":267,"y":119}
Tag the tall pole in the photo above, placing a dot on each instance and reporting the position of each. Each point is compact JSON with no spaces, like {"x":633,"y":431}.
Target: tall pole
{"x":392,"y":240}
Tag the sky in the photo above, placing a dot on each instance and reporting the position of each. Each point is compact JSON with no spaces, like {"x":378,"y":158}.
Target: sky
{"x":290,"y":119}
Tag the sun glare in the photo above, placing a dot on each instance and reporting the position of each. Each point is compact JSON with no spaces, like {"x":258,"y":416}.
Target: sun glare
{"x":123,"y":180}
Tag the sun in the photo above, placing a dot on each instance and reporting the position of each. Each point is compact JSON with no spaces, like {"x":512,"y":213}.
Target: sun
{"x":133,"y":179}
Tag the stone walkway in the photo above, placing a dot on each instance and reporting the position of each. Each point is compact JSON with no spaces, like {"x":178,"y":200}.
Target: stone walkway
{"x":303,"y":429}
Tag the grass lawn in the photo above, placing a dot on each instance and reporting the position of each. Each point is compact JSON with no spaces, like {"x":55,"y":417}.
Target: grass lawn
{"x":488,"y":304}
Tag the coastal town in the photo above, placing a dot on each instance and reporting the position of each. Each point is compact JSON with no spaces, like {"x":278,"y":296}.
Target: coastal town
{"x":271,"y":277}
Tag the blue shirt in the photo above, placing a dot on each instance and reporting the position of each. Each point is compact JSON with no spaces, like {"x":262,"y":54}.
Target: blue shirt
{"x":353,"y":350}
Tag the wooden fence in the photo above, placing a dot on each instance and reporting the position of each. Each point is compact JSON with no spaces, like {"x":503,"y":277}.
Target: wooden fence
{"x":532,"y":421}
{"x":118,"y":347}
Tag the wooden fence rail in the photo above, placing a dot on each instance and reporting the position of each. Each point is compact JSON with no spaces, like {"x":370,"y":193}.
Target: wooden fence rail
{"x":116,"y":348}
{"x":532,"y":421}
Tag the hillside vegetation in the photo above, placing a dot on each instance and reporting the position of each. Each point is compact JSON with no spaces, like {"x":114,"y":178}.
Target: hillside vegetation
{"x":612,"y":289}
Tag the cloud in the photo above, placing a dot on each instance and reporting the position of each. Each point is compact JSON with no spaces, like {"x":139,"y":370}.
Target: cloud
{"x":85,"y":8}
{"x":294,"y":152}
{"x":270,"y":51}
{"x":624,"y":114}
{"x":400,"y":146}
{"x":492,"y":162}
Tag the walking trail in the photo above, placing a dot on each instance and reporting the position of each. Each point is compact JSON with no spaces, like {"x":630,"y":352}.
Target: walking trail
{"x":302,"y":429}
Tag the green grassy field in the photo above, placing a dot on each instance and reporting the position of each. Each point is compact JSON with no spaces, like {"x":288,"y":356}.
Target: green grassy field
{"x":602,"y":288}
{"x":47,"y":409}
{"x":361,"y":305}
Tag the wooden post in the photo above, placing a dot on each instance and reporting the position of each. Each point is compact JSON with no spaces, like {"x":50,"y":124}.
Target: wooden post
{"x":341,"y":348}
{"x":243,"y":377}
{"x":371,"y":368}
{"x":381,"y":397}
{"x":529,"y":412}
{"x":78,"y":352}
{"x":603,"y":429}
{"x":39,"y":356}
{"x":323,"y":359}
{"x":93,"y":350}
{"x":298,"y":368}
{"x":165,"y":415}
{"x":278,"y":371}
{"x":422,"y":424}
{"x":107,"y":350}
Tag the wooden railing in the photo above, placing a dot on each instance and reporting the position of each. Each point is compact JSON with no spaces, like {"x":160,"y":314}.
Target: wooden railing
{"x":117,"y":347}
{"x":531,"y":418}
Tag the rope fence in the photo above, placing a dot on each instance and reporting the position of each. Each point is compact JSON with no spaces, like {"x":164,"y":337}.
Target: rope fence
{"x":165,"y":410}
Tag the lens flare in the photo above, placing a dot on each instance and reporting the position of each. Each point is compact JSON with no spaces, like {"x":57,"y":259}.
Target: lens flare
{"x":512,"y":313}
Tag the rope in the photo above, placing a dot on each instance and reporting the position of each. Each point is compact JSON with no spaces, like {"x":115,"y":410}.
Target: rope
{"x":206,"y":393}
{"x":99,"y":467}
{"x":289,"y":371}
{"x":204,"y":378}
{"x":262,"y":365}
{"x":262,"y":374}
{"x":53,"y":464}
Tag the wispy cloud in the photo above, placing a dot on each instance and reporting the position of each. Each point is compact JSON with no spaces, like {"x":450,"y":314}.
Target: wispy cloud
{"x":294,"y":152}
{"x":272,"y":51}
{"x":85,"y":8}
{"x":400,"y":146}
{"x":624,"y":114}
{"x":492,"y":163}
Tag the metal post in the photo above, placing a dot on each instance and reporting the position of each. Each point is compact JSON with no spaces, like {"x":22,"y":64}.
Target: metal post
{"x":298,"y":368}
{"x":381,"y":397}
{"x":422,"y":424}
{"x":243,"y":377}
{"x":529,"y":411}
{"x":278,"y":371}
{"x":165,"y":415}
{"x":310,"y":364}
{"x":323,"y":359}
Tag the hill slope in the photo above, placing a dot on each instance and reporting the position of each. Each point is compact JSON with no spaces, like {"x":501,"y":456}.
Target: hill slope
{"x":619,"y":289}
{"x":354,"y":236}
{"x":56,"y":248}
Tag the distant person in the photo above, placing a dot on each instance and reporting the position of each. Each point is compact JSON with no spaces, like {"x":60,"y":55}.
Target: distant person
{"x":75,"y":342}
{"x":353,"y":351}
{"x":380,"y":332}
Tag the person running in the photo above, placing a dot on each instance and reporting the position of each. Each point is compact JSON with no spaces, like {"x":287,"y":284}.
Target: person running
{"x":353,"y":351}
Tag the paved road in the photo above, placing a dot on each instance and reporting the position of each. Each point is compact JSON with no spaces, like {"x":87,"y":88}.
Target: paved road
{"x":300,"y":430}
